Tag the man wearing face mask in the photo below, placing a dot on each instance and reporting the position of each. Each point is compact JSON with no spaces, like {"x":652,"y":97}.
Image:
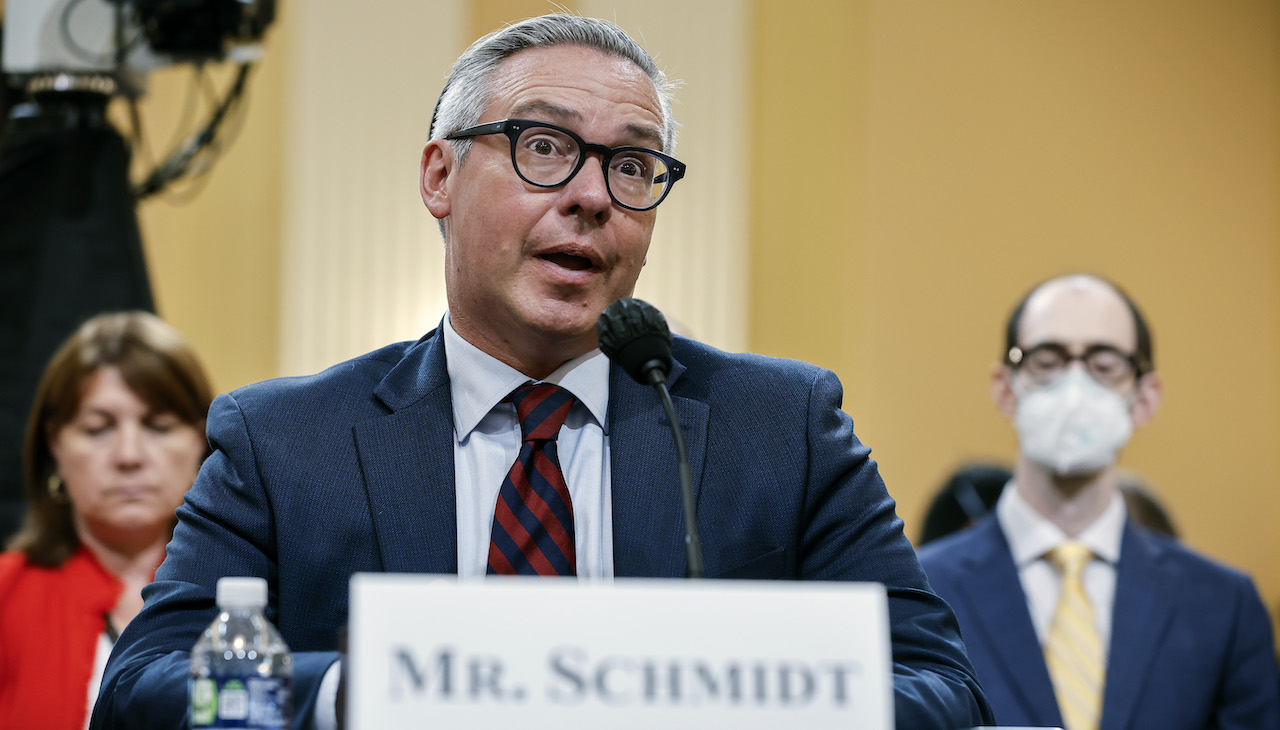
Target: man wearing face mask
{"x":1073,"y":615}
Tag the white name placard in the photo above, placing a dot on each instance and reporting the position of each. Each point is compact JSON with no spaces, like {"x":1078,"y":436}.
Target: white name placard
{"x":440,"y":652}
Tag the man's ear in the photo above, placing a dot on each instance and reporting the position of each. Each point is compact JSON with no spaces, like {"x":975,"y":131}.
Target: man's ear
{"x":1147,"y":394}
{"x":433,"y":176}
{"x":1002,"y":390}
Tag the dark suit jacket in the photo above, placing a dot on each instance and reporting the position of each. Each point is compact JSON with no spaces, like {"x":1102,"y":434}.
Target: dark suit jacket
{"x":313,"y":479}
{"x":1191,"y":645}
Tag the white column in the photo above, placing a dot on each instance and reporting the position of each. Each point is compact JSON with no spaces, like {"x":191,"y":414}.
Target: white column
{"x":362,"y":264}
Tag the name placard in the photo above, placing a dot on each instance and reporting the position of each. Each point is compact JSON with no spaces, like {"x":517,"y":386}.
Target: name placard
{"x":428,"y":651}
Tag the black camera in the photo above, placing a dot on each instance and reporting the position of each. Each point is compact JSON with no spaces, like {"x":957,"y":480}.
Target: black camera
{"x":51,"y":42}
{"x":199,"y":29}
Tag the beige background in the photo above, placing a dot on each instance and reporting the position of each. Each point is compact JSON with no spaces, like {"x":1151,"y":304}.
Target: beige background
{"x":910,"y":169}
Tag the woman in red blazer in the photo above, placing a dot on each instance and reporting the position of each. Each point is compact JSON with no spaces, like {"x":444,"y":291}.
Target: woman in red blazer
{"x":114,"y":440}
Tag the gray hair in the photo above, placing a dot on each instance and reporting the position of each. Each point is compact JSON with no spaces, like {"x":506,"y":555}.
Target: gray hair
{"x":467,"y":93}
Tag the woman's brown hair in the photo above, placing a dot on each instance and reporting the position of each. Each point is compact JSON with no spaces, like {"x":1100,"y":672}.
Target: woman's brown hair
{"x":158,"y":366}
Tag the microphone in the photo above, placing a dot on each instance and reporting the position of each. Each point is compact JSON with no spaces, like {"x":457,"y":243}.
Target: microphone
{"x":634,"y":335}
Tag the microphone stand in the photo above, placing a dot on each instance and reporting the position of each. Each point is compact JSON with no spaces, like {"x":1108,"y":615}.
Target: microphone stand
{"x":692,"y":545}
{"x":634,"y":335}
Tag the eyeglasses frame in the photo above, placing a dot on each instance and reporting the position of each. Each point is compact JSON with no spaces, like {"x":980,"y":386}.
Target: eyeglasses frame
{"x":513,"y":128}
{"x":1015,"y":358}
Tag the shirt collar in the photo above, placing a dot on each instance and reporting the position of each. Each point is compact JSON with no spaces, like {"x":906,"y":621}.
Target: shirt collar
{"x":1031,"y":534}
{"x":478,"y":381}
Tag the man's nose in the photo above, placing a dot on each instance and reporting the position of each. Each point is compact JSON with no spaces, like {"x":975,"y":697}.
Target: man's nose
{"x":587,"y":193}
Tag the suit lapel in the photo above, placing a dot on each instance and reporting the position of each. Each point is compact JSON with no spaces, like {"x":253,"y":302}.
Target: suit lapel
{"x":406,"y":457}
{"x":998,"y":606}
{"x":1139,"y":620}
{"x":648,"y":522}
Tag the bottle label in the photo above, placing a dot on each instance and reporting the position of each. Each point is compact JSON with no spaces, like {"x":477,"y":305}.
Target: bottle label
{"x":249,"y":703}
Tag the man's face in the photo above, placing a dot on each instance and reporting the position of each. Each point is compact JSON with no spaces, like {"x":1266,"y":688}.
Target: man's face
{"x":528,"y":270}
{"x":1074,"y":395}
{"x":1078,"y":313}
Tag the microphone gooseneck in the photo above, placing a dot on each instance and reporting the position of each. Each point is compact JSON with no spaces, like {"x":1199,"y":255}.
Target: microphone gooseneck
{"x":634,"y":335}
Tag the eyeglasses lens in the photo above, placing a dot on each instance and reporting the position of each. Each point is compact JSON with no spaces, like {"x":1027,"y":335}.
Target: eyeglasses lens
{"x":549,"y":157}
{"x":1107,"y":366}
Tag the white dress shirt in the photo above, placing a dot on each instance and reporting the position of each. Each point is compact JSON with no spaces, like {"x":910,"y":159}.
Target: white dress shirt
{"x":100,"y":655}
{"x":1031,"y":536}
{"x":486,"y":443}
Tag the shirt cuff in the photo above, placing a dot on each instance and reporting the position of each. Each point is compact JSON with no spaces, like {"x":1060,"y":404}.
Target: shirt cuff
{"x":327,"y":701}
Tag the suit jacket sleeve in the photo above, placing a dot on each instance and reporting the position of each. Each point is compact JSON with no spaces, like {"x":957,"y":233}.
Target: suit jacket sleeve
{"x":853,"y":533}
{"x":1250,"y":690}
{"x":224,"y":528}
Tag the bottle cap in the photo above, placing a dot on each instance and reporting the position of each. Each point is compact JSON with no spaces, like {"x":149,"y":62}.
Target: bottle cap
{"x":242,"y":592}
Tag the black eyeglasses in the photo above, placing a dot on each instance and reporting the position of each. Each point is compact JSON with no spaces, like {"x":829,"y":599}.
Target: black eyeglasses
{"x":548,"y":156}
{"x":1045,"y":362}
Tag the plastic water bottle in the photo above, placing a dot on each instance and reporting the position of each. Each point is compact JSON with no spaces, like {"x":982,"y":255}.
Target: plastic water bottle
{"x":241,"y":670}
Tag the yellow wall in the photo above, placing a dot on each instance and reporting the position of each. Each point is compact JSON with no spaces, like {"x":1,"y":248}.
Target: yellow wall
{"x":810,"y":125}
{"x":488,"y":15}
{"x":924,"y":163}
{"x":917,"y":166}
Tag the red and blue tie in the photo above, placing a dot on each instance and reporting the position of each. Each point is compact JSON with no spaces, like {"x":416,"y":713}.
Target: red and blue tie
{"x":533,"y":519}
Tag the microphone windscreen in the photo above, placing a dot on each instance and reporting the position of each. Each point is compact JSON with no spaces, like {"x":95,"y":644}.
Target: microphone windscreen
{"x":634,"y":334}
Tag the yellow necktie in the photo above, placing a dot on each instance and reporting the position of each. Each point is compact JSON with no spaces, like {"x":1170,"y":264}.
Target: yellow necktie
{"x":1073,"y":650}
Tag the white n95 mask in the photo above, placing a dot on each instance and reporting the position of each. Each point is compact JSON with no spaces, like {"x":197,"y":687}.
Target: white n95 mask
{"x":1074,"y":425}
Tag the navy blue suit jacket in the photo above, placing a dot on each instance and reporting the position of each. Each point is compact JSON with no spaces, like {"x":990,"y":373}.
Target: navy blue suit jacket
{"x":313,"y":479}
{"x":1191,"y":644}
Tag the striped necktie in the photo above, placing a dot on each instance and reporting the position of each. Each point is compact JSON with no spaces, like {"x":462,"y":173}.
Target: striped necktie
{"x":533,"y":519}
{"x":1073,"y":651}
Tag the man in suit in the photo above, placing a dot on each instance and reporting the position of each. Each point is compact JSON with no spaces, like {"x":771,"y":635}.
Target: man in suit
{"x":548,"y":156}
{"x":1141,"y":632}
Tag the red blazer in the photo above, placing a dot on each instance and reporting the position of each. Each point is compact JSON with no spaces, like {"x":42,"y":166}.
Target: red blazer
{"x":50,"y":621}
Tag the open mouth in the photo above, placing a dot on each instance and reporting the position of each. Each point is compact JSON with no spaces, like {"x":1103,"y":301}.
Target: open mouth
{"x":568,"y":261}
